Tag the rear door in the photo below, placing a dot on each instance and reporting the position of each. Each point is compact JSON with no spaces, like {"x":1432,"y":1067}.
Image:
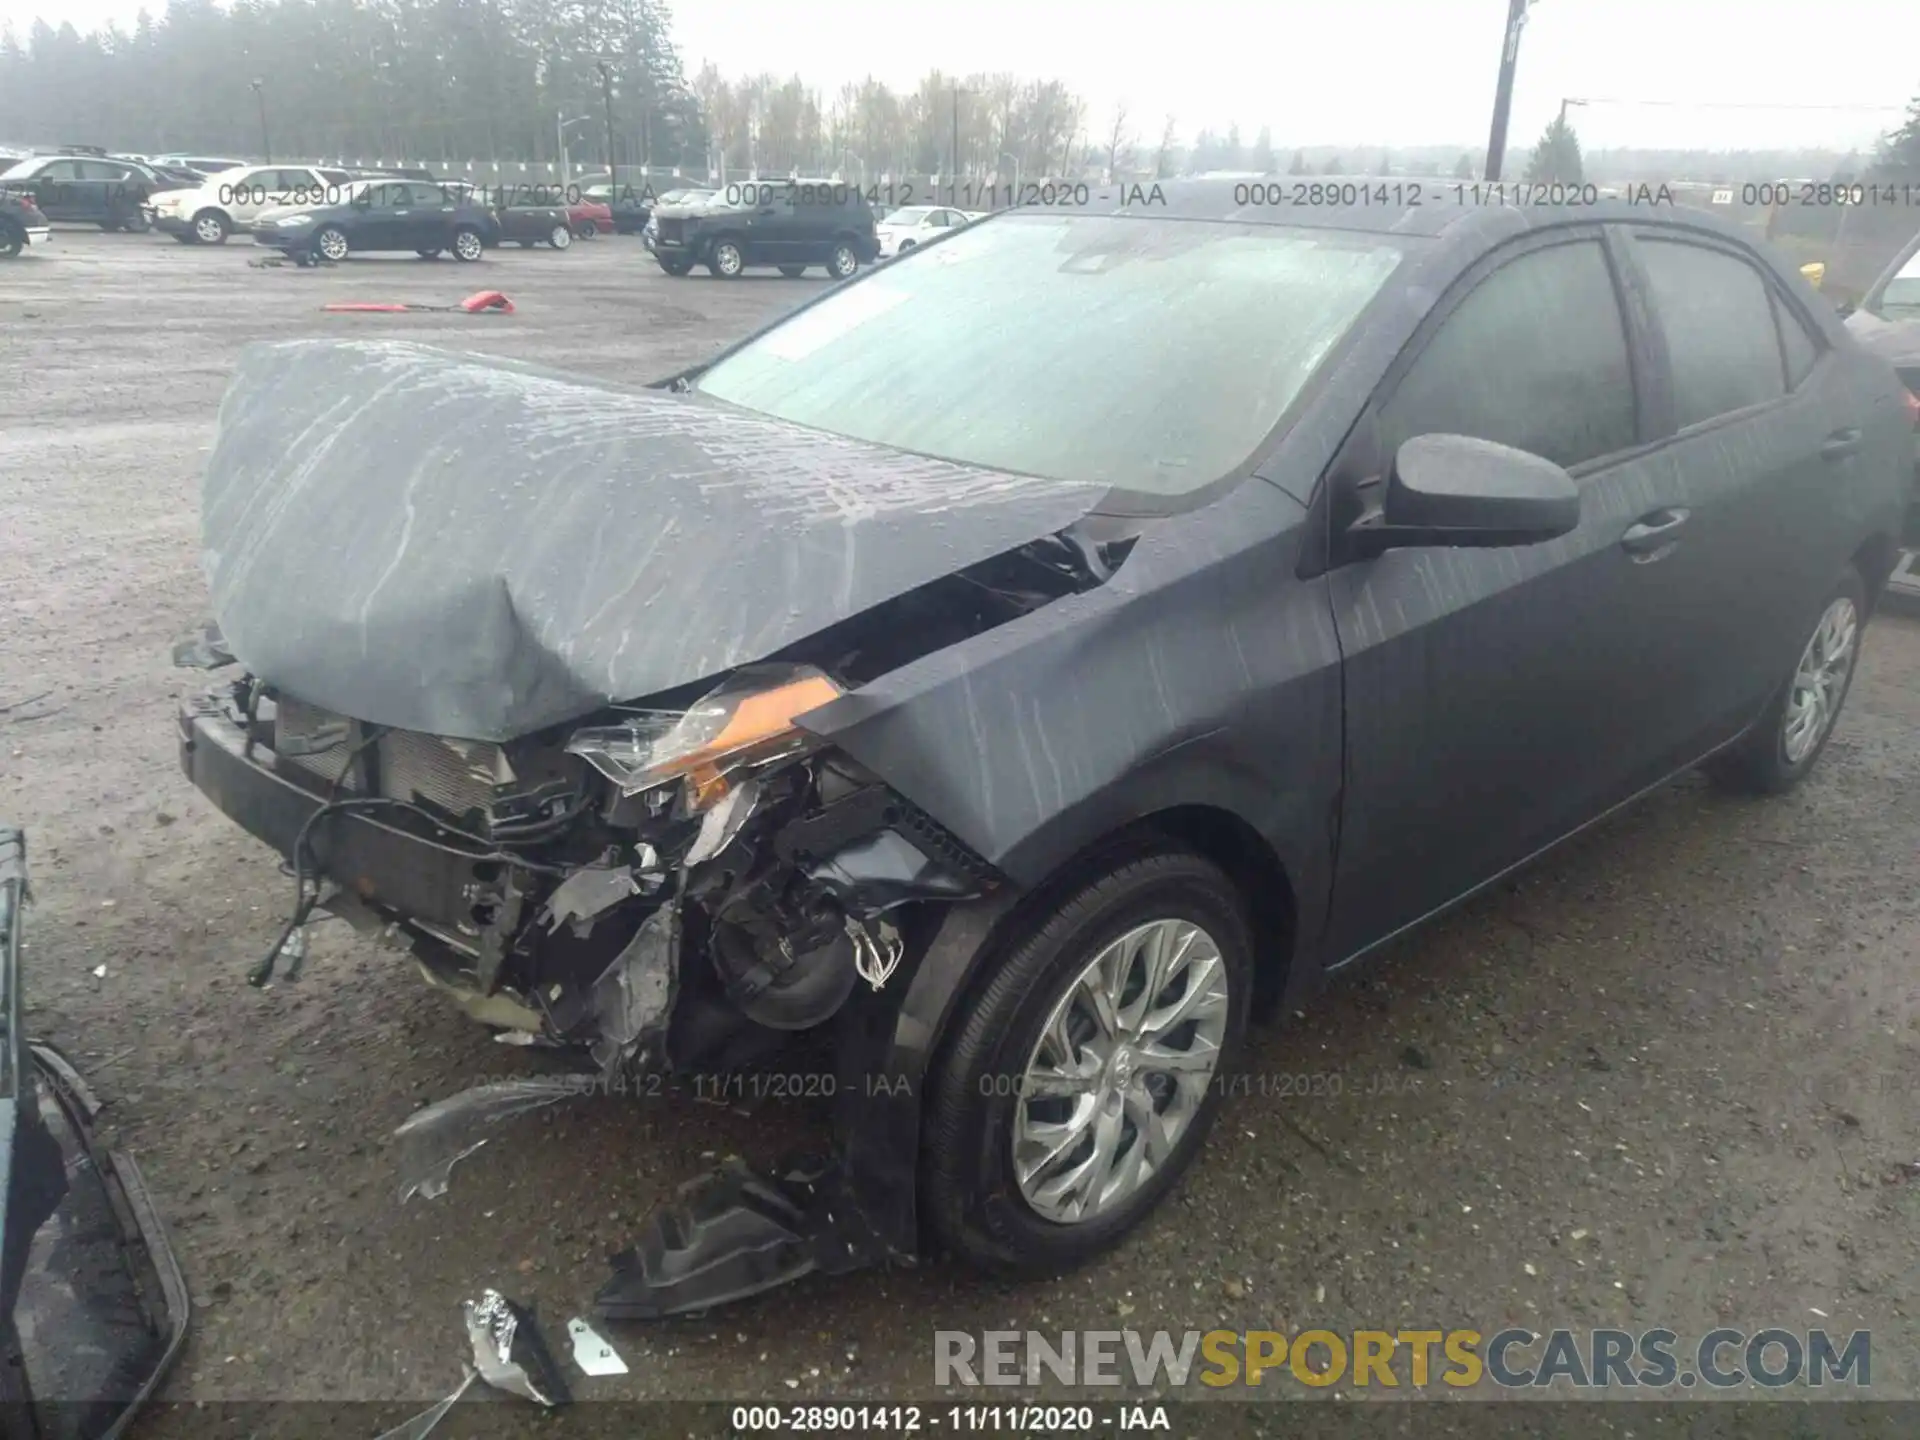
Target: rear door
{"x":1497,"y":699}
{"x":1765,"y":427}
{"x":776,"y":228}
{"x":388,"y":222}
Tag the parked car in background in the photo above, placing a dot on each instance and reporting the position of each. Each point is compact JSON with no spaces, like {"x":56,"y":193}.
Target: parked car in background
{"x":1888,"y":323}
{"x":786,"y":224}
{"x":21,"y":225}
{"x":524,"y":223}
{"x":1167,"y":608}
{"x":201,"y":165}
{"x":627,"y":208}
{"x":377,"y":215}
{"x":590,"y":217}
{"x":913,"y":225}
{"x":84,"y":189}
{"x":228,"y":201}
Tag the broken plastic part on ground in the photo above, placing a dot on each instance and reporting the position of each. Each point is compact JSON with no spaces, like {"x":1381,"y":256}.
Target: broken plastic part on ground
{"x":592,"y":1351}
{"x":737,"y":1232}
{"x":435,"y":1139}
{"x":509,"y":1352}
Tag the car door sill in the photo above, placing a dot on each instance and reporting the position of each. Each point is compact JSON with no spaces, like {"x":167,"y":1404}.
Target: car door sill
{"x":1494,"y":879}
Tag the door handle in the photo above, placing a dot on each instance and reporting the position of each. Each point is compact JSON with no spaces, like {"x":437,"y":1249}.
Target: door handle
{"x":1840,"y":444}
{"x":1651,"y":536}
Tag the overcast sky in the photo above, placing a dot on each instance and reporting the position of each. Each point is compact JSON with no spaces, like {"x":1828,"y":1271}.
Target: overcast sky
{"x":1357,"y":73}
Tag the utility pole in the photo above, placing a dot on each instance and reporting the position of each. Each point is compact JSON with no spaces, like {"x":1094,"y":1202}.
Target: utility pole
{"x":606,"y":94}
{"x":953,"y":154}
{"x":1503,"y":93}
{"x":260,"y":97}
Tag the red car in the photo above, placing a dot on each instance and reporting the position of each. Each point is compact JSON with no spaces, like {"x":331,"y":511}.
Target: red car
{"x":590,"y":218}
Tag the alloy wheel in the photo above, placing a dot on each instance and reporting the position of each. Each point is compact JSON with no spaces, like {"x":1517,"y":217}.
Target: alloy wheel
{"x":561,"y":237}
{"x":1820,"y":681}
{"x":209,"y":230}
{"x":1120,"y":1070}
{"x":332,"y":244}
{"x":467,"y":246}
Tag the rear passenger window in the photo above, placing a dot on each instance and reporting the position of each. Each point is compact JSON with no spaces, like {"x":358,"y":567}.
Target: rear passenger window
{"x":1800,"y":347}
{"x":1717,"y":313}
{"x":1535,"y":357}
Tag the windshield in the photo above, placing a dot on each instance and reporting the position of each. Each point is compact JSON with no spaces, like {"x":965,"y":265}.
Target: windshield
{"x":1901,"y":297}
{"x":908,"y":215}
{"x":1151,"y":355}
{"x":21,"y":171}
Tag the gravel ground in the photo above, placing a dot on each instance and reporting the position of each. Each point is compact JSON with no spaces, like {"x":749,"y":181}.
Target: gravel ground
{"x":1667,"y":1077}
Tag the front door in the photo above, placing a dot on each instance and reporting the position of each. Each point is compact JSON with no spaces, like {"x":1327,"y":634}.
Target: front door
{"x":1498,"y":698}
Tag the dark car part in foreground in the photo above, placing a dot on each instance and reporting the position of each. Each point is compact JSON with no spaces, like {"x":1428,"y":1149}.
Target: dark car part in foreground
{"x":1012,"y":710}
{"x":786,"y":224}
{"x":379,"y":215}
{"x":93,"y":1309}
{"x":21,"y":225}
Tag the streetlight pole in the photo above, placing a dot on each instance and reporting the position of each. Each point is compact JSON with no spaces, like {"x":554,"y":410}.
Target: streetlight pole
{"x":260,"y":98}
{"x":1503,"y":93}
{"x":560,"y":128}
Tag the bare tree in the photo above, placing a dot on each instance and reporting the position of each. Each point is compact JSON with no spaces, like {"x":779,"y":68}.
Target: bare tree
{"x":1163,"y":158}
{"x":1117,"y":137}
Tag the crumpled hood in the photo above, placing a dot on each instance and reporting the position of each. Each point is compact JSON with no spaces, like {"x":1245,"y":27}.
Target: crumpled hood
{"x":480,"y":548}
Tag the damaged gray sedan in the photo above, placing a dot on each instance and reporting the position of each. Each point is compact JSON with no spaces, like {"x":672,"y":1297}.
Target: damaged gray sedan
{"x":1021,"y":665}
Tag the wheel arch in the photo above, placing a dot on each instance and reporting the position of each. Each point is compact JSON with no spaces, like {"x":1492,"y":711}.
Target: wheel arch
{"x":1875,"y":561}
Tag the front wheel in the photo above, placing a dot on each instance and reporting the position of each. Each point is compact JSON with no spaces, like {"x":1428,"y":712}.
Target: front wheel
{"x":331,"y":244}
{"x":1776,"y":754}
{"x":1084,"y":1078}
{"x":727,"y":261}
{"x":467,"y":245}
{"x":560,"y":237}
{"x":586,"y":230}
{"x":210,"y":227}
{"x":843,"y":261}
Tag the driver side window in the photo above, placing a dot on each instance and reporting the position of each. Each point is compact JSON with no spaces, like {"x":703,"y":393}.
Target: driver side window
{"x":1535,"y":357}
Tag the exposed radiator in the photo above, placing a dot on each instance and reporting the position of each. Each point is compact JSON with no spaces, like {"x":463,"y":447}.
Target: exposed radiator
{"x":452,"y":775}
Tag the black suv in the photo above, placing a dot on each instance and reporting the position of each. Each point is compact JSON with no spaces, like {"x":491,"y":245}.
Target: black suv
{"x":787,"y":224}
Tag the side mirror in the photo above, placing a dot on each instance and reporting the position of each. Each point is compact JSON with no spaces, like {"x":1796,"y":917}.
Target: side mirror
{"x":1456,"y":491}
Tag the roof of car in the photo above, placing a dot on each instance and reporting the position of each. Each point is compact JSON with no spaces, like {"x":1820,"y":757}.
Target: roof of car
{"x":1400,"y":205}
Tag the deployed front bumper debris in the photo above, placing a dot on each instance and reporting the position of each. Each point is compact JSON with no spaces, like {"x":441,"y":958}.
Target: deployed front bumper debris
{"x":93,"y":1309}
{"x":738,"y":1232}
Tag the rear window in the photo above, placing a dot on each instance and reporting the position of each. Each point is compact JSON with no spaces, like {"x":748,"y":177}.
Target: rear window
{"x":1150,"y":355}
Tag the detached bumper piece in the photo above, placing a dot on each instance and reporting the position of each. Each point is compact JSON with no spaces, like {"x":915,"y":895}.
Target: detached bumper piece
{"x":93,"y":1308}
{"x":736,"y":1233}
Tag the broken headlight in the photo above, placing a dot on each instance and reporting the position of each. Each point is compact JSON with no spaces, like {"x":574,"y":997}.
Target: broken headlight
{"x":746,"y":719}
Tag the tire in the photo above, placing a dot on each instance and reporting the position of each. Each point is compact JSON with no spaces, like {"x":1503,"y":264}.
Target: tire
{"x":728,"y":259}
{"x":1776,"y":754}
{"x":793,"y":272}
{"x":12,"y":241}
{"x":586,"y":230}
{"x":844,"y":260}
{"x":210,"y":227}
{"x":906,"y":245}
{"x":971,"y":1195}
{"x":468,"y":246}
{"x":560,"y":238}
{"x":135,"y":222}
{"x":679,"y":269}
{"x":331,"y":244}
